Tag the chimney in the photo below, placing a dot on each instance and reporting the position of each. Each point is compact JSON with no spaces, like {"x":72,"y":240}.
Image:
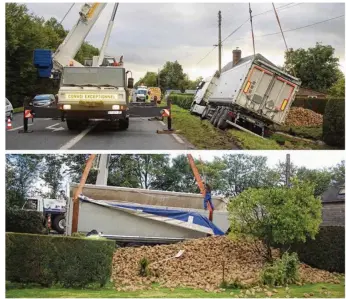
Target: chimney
{"x":236,"y":56}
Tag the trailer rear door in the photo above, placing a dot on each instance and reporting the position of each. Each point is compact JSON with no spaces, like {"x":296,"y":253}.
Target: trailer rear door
{"x":267,"y":94}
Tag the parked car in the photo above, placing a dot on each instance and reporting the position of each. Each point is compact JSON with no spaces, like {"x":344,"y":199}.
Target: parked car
{"x":9,"y":110}
{"x":43,"y":100}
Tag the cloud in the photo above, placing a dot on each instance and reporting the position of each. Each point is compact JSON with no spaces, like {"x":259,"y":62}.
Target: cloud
{"x":150,"y":34}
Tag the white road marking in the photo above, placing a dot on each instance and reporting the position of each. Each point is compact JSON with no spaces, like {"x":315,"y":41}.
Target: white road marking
{"x":47,"y":119}
{"x":177,"y":138}
{"x":17,"y":128}
{"x":51,"y":126}
{"x":76,"y":139}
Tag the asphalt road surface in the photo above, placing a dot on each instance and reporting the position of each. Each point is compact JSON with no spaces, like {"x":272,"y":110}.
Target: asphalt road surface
{"x":51,"y":134}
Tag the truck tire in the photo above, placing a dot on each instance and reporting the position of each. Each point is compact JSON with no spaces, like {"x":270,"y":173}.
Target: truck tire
{"x":124,"y":124}
{"x":205,"y":113}
{"x":214,"y":116}
{"x":221,"y":124}
{"x":193,"y":106}
{"x":217,"y":116}
{"x":58,"y":224}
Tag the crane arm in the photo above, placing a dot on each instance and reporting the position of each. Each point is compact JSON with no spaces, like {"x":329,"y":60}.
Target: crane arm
{"x":68,"y":49}
{"x":108,"y":33}
{"x":196,"y":174}
{"x":199,"y":183}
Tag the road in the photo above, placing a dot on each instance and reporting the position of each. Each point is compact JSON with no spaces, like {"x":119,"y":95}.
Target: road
{"x":50,"y":134}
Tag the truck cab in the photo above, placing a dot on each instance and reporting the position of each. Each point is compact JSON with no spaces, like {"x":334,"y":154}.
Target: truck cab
{"x":53,"y":208}
{"x":93,"y":93}
{"x":141,"y":93}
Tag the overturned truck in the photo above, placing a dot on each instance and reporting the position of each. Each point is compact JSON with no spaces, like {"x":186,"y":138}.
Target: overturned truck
{"x":139,"y":216}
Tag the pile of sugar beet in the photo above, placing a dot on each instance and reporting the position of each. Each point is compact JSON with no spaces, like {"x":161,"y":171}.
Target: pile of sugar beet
{"x":200,"y":266}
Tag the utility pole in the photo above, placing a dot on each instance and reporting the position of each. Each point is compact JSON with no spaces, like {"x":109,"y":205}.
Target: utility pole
{"x":288,"y":169}
{"x":102,"y":171}
{"x":158,"y":78}
{"x":220,"y":41}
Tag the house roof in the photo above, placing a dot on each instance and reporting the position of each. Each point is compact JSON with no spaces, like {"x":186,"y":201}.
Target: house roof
{"x":242,"y":60}
{"x":333,"y":194}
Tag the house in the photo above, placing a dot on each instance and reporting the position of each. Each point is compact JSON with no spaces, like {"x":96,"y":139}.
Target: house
{"x":333,"y":206}
{"x":306,"y":93}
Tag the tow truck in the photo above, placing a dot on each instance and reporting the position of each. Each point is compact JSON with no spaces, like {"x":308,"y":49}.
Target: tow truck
{"x":97,"y":90}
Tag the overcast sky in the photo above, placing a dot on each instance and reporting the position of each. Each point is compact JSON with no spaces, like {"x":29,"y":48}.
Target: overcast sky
{"x":148,"y":35}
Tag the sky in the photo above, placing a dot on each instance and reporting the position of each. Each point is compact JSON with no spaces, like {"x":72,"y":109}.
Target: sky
{"x":149,"y":34}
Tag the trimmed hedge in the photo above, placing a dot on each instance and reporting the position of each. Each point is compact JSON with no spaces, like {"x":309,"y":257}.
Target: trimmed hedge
{"x":327,"y":251}
{"x":183,"y":101}
{"x":48,"y":260}
{"x":317,"y":105}
{"x":334,"y":123}
{"x":23,"y":221}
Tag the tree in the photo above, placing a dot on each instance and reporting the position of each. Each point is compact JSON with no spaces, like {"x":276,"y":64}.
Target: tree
{"x":245,"y":171}
{"x":150,"y":80}
{"x":21,"y":175}
{"x":321,"y":178}
{"x":277,"y":215}
{"x":338,"y":174}
{"x":52,"y":174}
{"x":171,"y":75}
{"x":338,"y":88}
{"x":316,"y":67}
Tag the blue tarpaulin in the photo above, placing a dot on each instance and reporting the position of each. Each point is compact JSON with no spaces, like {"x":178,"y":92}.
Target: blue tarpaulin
{"x":180,"y":215}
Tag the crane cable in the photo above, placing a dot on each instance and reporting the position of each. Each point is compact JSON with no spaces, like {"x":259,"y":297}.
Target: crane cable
{"x":66,"y":14}
{"x":253,"y":37}
{"x":283,"y":36}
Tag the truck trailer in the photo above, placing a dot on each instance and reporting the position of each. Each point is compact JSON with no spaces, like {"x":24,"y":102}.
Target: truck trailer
{"x":250,"y":93}
{"x":141,"y":216}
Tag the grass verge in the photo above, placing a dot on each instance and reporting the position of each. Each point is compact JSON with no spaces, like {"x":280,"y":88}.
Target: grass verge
{"x":320,"y":290}
{"x":199,"y":133}
{"x":248,"y":141}
{"x":18,"y":109}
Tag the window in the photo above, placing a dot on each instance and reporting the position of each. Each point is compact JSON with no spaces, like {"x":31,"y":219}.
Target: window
{"x":342,"y":191}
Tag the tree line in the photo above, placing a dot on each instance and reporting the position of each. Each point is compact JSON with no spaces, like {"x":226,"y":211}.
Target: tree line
{"x":228,"y":175}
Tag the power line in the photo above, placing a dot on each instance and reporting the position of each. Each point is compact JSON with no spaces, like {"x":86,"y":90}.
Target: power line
{"x":66,"y":14}
{"x":298,"y":28}
{"x":288,"y":30}
{"x":278,"y":8}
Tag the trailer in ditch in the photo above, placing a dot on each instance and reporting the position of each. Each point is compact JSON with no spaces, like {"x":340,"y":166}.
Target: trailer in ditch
{"x":250,"y":93}
{"x":140,"y":216}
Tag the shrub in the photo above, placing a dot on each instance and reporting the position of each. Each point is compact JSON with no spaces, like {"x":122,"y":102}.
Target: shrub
{"x":183,"y":101}
{"x":283,"y":271}
{"x":327,"y":251}
{"x":334,"y":123}
{"x":144,"y":267}
{"x":46,"y":260}
{"x":23,"y":221}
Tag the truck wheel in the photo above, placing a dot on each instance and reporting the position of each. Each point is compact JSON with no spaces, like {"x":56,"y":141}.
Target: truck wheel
{"x":124,"y":124}
{"x":59,"y":224}
{"x":217,"y":117}
{"x":205,"y":113}
{"x":221,"y":124}
{"x":72,"y":124}
{"x":213,"y":116}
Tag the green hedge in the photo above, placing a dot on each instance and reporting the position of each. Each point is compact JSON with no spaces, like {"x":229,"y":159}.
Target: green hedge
{"x":48,"y":260}
{"x":183,"y":101}
{"x":334,"y":123}
{"x":317,"y":105}
{"x":327,"y":251}
{"x":22,"y":221}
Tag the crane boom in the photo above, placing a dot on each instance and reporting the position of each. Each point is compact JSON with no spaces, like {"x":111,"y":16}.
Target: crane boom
{"x":68,"y":49}
{"x":108,"y":33}
{"x":199,"y":182}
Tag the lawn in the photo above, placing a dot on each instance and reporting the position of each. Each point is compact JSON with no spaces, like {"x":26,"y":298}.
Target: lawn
{"x":320,"y":290}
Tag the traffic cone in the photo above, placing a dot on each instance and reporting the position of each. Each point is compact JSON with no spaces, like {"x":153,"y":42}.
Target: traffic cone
{"x":9,"y":124}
